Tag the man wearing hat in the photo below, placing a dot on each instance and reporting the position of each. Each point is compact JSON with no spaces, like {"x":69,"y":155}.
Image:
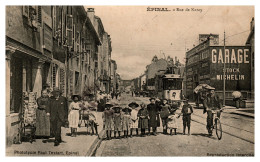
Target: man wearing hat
{"x":58,"y":111}
{"x":153,"y":110}
{"x":212,"y":102}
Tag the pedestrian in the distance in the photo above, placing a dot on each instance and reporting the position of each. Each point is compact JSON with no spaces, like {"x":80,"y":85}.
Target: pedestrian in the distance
{"x":153,"y":110}
{"x":73,"y":117}
{"x":134,"y":118}
{"x":42,"y":119}
{"x":108,"y":120}
{"x":143,"y":116}
{"x":164,"y":113}
{"x":118,"y":117}
{"x":58,"y":110}
{"x":187,"y":110}
{"x":126,"y":121}
{"x":172,"y":123}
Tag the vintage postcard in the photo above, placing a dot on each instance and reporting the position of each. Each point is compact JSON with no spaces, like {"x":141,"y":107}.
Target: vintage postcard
{"x":130,"y":81}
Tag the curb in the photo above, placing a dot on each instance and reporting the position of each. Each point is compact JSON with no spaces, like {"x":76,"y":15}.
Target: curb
{"x":93,"y":148}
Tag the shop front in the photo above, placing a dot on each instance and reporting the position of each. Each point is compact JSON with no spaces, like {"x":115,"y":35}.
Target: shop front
{"x":24,"y":69}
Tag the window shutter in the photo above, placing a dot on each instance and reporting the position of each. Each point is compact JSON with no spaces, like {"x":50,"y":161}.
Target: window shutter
{"x":69,"y":30}
{"x":62,"y":80}
{"x":54,"y":71}
{"x":39,"y":14}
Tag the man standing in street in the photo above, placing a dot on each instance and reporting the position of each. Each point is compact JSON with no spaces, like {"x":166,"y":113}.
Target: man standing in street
{"x":58,"y":111}
{"x":212,"y":102}
{"x":153,"y":111}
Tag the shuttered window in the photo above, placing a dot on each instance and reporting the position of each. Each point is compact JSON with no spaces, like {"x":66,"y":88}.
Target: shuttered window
{"x":69,"y":30}
{"x":39,"y":14}
{"x":54,"y":72}
{"x":62,"y":80}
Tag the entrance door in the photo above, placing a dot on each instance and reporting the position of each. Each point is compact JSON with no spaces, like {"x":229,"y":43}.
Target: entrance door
{"x":16,"y":87}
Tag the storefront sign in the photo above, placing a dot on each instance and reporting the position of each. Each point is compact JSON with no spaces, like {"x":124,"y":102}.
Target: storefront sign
{"x":231,"y":55}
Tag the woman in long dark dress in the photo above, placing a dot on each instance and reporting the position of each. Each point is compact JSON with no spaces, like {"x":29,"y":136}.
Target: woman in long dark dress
{"x":42,"y":119}
{"x":153,"y":110}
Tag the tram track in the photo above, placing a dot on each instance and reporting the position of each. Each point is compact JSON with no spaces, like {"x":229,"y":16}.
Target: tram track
{"x":223,"y":131}
{"x":226,"y":124}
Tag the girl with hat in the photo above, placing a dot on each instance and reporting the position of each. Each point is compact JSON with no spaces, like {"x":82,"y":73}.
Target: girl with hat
{"x":134,"y":118}
{"x":126,"y":122}
{"x":118,"y":116}
{"x":143,"y":116}
{"x":171,"y":123}
{"x":73,"y":117}
{"x":108,"y":120}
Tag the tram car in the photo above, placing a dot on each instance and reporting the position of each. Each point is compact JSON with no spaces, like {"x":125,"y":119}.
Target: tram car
{"x":169,"y":86}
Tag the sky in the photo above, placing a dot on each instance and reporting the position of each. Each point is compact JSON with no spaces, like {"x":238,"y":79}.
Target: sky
{"x":137,"y":34}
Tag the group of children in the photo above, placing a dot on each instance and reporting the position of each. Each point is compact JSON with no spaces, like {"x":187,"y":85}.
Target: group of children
{"x":117,"y":119}
{"x":120,"y":119}
{"x":82,"y":111}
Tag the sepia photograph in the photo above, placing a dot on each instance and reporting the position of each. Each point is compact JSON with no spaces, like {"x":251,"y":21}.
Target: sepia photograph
{"x":131,"y":81}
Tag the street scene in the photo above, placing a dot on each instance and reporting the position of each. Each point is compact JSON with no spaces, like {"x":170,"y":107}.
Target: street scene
{"x":130,"y":81}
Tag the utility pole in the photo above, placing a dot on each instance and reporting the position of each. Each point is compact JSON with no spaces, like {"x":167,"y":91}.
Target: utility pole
{"x":224,"y":72}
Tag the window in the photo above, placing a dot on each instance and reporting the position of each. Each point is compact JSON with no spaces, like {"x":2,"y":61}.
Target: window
{"x":76,"y":78}
{"x":69,"y":30}
{"x":172,"y":84}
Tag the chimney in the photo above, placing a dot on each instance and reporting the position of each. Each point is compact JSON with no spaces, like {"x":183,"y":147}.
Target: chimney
{"x":91,"y":14}
{"x":175,"y":60}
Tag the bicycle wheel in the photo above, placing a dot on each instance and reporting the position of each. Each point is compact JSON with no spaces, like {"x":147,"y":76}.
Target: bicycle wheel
{"x":218,"y":129}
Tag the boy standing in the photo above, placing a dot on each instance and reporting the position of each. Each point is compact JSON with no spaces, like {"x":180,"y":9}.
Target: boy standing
{"x":186,"y":111}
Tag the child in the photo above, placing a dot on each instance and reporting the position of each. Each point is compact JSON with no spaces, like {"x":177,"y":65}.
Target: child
{"x":186,"y":111}
{"x":171,"y":123}
{"x":165,"y":112}
{"x":108,"y":120}
{"x":126,"y":121}
{"x":117,"y":120}
{"x":143,"y":116}
{"x":134,"y":118}
{"x":74,"y":114}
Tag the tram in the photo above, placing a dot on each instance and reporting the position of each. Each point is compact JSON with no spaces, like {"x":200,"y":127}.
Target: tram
{"x":169,"y":86}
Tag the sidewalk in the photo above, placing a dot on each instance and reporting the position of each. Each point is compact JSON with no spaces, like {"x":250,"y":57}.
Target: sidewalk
{"x":82,"y":145}
{"x":248,"y":112}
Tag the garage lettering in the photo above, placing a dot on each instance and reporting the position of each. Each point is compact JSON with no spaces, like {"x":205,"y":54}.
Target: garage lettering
{"x":235,"y":56}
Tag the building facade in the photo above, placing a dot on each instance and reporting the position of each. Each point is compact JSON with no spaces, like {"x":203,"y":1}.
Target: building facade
{"x":205,"y":64}
{"x":56,"y":46}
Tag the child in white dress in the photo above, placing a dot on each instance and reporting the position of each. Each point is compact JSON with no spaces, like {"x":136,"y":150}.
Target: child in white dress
{"x":172,"y":123}
{"x":74,"y":114}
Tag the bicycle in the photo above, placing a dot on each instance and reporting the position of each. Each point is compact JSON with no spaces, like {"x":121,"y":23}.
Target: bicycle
{"x":216,"y":125}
